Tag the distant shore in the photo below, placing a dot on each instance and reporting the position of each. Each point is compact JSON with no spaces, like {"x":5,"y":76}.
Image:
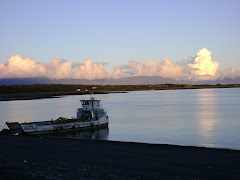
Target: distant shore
{"x":32,"y":96}
{"x":41,"y":91}
{"x":62,"y":158}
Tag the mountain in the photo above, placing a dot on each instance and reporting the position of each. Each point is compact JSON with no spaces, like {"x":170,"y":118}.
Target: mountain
{"x":121,"y":81}
{"x":135,"y":80}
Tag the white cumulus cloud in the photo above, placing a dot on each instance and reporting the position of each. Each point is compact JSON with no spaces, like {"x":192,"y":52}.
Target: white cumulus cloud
{"x":203,"y":66}
{"x":199,"y":68}
{"x":58,"y":69}
{"x":19,"y":67}
{"x":165,"y":68}
{"x":91,"y":70}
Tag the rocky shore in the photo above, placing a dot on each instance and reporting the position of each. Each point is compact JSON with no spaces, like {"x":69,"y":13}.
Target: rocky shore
{"x":61,"y":158}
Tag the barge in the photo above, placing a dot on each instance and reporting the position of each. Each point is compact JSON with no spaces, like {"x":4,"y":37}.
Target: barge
{"x":90,"y":116}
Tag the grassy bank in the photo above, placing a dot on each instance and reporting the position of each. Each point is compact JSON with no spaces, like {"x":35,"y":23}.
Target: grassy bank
{"x":66,"y":88}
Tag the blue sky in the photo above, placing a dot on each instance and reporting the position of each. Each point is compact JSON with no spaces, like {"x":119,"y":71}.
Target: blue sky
{"x":116,"y":31}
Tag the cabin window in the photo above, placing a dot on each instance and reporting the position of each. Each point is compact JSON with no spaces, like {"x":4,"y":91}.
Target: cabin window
{"x":85,"y":103}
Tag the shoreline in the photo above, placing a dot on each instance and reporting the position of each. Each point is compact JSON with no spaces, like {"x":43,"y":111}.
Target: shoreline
{"x":9,"y":133}
{"x":45,"y":95}
{"x":63,"y":158}
{"x":33,"y":96}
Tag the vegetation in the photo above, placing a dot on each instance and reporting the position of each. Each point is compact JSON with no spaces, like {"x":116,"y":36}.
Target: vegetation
{"x":75,"y":88}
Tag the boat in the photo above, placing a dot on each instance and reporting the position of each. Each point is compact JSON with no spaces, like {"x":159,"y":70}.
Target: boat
{"x":90,"y":116}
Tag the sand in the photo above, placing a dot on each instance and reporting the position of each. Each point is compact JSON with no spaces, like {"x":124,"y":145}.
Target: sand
{"x":24,"y":157}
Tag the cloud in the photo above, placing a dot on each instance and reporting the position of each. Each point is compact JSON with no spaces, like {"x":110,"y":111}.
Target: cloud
{"x":165,"y":68}
{"x":119,"y":72}
{"x":169,"y":69}
{"x":200,"y":67}
{"x":203,"y":66}
{"x":58,"y":69}
{"x":230,"y":73}
{"x":19,"y":67}
{"x":90,"y":70}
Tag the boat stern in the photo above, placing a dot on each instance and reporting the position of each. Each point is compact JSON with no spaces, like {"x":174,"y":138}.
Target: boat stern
{"x":15,"y":127}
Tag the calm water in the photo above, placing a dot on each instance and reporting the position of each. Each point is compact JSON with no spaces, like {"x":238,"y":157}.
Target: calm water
{"x":205,"y":117}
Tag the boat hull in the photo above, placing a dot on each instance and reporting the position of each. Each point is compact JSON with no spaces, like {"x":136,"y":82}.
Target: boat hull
{"x":68,"y":130}
{"x":47,"y":126}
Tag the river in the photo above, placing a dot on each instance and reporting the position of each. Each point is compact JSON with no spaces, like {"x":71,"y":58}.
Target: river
{"x":194,"y":117}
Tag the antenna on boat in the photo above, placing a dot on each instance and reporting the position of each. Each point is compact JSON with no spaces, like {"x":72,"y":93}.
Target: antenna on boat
{"x":91,"y":94}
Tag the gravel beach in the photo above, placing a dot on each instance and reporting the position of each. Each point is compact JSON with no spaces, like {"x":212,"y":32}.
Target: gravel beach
{"x":61,"y":158}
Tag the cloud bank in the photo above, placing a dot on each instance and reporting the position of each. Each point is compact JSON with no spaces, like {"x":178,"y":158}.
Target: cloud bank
{"x":19,"y":67}
{"x":201,"y":67}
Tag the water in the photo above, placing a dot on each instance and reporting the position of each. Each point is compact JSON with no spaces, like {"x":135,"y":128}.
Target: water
{"x":204,"y":117}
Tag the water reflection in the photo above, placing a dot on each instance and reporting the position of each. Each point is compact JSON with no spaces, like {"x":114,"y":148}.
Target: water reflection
{"x":204,"y":117}
{"x":207,"y":116}
{"x":96,"y":134}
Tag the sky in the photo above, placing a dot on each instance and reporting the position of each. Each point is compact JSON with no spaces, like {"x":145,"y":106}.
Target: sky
{"x":119,"y":38}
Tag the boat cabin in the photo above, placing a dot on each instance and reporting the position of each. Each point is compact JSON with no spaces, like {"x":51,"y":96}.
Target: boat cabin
{"x":91,"y":109}
{"x":91,"y":104}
